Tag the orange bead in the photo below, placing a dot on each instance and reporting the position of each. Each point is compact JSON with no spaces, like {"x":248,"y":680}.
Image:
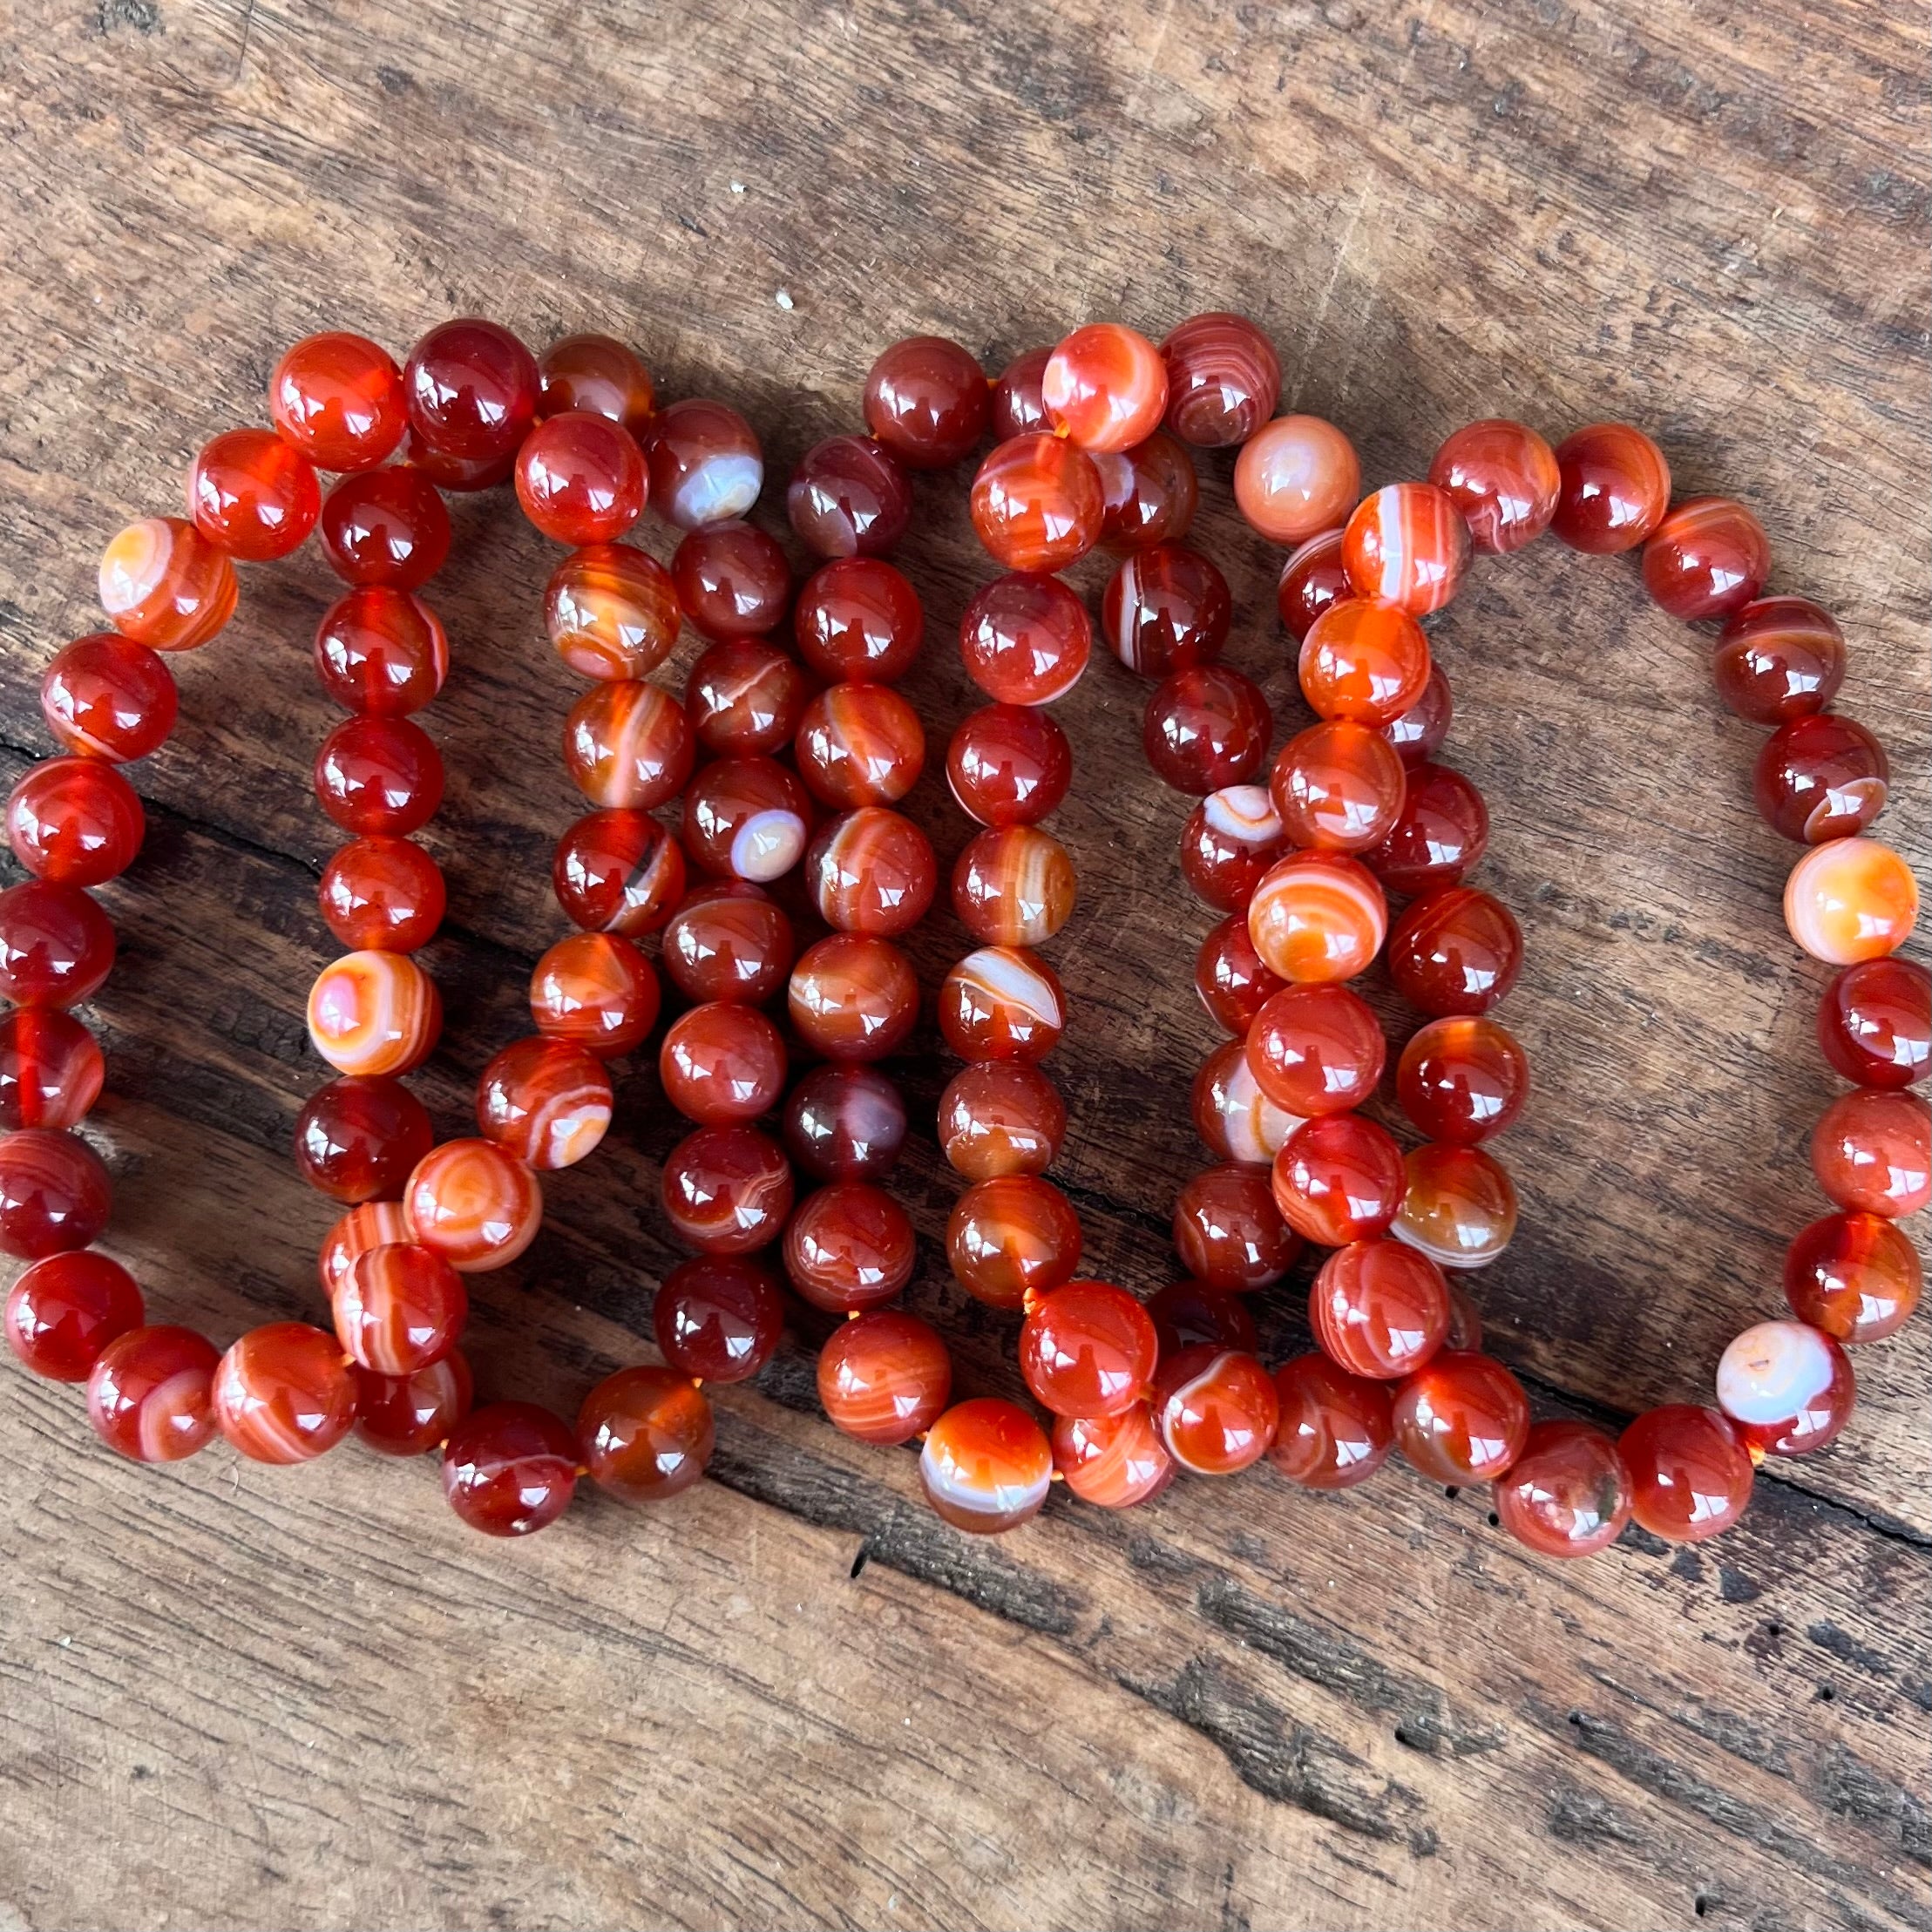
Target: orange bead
{"x":1012,"y":1238}
{"x":1690,"y":1475}
{"x":1105,"y":386}
{"x":1000,"y":1117}
{"x":374,"y":1013}
{"x":402,"y":1309}
{"x":1113,"y":1462}
{"x":285,"y":1393}
{"x":338,"y":399}
{"x":1013,"y":886}
{"x":1408,"y":545}
{"x":985,"y":1466}
{"x":1461,"y":1418}
{"x":629,"y":744}
{"x":883,"y":1378}
{"x":1379,"y":1309}
{"x":595,"y":991}
{"x":860,"y":744}
{"x":1037,"y":504}
{"x":1851,"y":899}
{"x":849,"y":1246}
{"x":251,"y":495}
{"x":1317,"y":916}
{"x":1462,"y":1079}
{"x":1338,"y":787}
{"x":1854,"y":1276}
{"x":163,"y":583}
{"x":1087,"y":1348}
{"x":1215,"y":1409}
{"x":853,"y":997}
{"x":645,"y":1433}
{"x":872,"y":870}
{"x":1364,"y":661}
{"x":477,"y":1206}
{"x":1568,"y":1494}
{"x":1295,"y":477}
{"x":370,"y":1224}
{"x":1338,"y":1178}
{"x":612,"y":612}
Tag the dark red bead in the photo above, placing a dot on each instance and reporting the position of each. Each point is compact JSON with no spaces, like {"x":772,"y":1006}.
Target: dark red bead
{"x":732,"y":579}
{"x":75,"y":821}
{"x":108,"y":697}
{"x":56,"y":945}
{"x":54,"y":1193}
{"x":359,"y":1136}
{"x":385,"y":526}
{"x":1874,"y":1023}
{"x":928,"y":401}
{"x":509,"y":1468}
{"x":857,"y":618}
{"x":379,"y":775}
{"x":849,"y":498}
{"x":718,"y":1319}
{"x":1821,"y":777}
{"x":1443,"y":831}
{"x":1206,"y":727}
{"x":50,"y":1069}
{"x":472,"y":390}
{"x":1019,"y":408}
{"x":64,"y":1310}
{"x":381,"y":651}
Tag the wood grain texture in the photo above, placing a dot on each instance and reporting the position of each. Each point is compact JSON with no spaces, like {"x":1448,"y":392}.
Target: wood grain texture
{"x":235,"y":1696}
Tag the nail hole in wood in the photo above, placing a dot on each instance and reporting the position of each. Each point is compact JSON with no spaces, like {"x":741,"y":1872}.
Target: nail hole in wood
{"x":860,"y":1561}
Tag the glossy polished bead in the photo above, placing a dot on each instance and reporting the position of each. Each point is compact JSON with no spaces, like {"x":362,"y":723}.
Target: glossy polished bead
{"x":357,"y":1138}
{"x":1850,"y":900}
{"x":1230,"y":978}
{"x":597,"y":374}
{"x":1105,"y":387}
{"x":1222,"y":377}
{"x":728,"y":942}
{"x":108,"y":697}
{"x":401,"y":1309}
{"x":384,"y":895}
{"x":1185,"y":1313}
{"x":163,"y":583}
{"x":412,"y":1415}
{"x":64,"y":1310}
{"x":1461,"y":1418}
{"x":1690,"y":1475}
{"x":727,"y":1191}
{"x":618,"y":872}
{"x":853,"y":997}
{"x":1708,"y":558}
{"x":1874,"y":1023}
{"x":1295,"y":477}
{"x":1443,"y":830}
{"x":1338,"y":787}
{"x":849,"y":498}
{"x":718,"y":1319}
{"x":1379,"y":1309}
{"x":1018,"y":407}
{"x":1462,"y":1080}
{"x":1454,"y":951}
{"x":1087,"y":1348}
{"x":1215,"y":1410}
{"x":1165,"y":608}
{"x":54,"y":1193}
{"x":845,"y":1124}
{"x":1231,"y":839}
{"x":1148,"y":493}
{"x":56,"y":945}
{"x":1026,"y":639}
{"x":745,"y":697}
{"x":1872,"y":1152}
{"x":723,"y":1061}
{"x":1234,"y":1118}
{"x":859,"y":619}
{"x":544,"y":1101}
{"x":1312,"y":582}
{"x":705,"y":463}
{"x":338,"y":399}
{"x":471,"y":389}
{"x":1502,"y":478}
{"x":1228,"y":1233}
{"x":253,"y":495}
{"x":385,"y":527}
{"x":1206,"y":727}
{"x":1316,"y":917}
{"x":75,"y":821}
{"x":1338,"y":1178}
{"x":1614,"y":488}
{"x":872,"y":870}
{"x":1459,"y":1206}
{"x":859,"y":744}
{"x":1000,"y":1117}
{"x":1420,"y":732}
{"x":645,"y":1433}
{"x":1336,"y":1429}
{"x":580,"y":478}
{"x":629,"y":744}
{"x":1013,"y":886}
{"x":374,"y":1225}
{"x":884,"y":1377}
{"x":374,"y":1013}
{"x":509,"y":1468}
{"x":595,"y":991}
{"x":1317,"y":1050}
{"x":1037,"y":502}
{"x":1852,"y":1275}
{"x":1778,"y":659}
{"x":477,"y":1205}
{"x":1785,"y":1387}
{"x":379,"y":776}
{"x":1406,"y":545}
{"x":1568,"y":1494}
{"x":612,"y":612}
{"x":1009,"y":764}
{"x":1112,"y":1461}
{"x":1821,"y":777}
{"x":283,"y":1393}
{"x":150,"y":1395}
{"x":928,"y":401}
{"x":732,"y":579}
{"x":1002,"y":1003}
{"x":381,"y":651}
{"x":1012,"y":1238}
{"x":1367,"y":662}
{"x":985,"y":1466}
{"x":50,"y":1069}
{"x":849,"y":1246}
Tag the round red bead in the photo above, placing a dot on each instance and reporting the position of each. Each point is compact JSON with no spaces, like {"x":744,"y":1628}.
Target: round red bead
{"x":509,"y":1468}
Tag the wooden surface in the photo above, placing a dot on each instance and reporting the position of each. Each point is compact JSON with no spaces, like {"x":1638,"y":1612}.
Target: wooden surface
{"x":232,"y":1696}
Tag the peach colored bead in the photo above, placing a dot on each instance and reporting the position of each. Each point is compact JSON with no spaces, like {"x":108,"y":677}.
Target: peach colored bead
{"x":477,"y":1206}
{"x":1105,"y":386}
{"x":163,"y":583}
{"x":1295,"y":477}
{"x":1365,"y":661}
{"x":1013,"y":886}
{"x":374,"y":1013}
{"x":1317,"y":916}
{"x":1853,"y":899}
{"x":1408,"y":545}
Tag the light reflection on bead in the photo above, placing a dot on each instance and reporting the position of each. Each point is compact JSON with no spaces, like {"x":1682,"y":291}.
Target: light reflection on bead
{"x":985,"y":1466}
